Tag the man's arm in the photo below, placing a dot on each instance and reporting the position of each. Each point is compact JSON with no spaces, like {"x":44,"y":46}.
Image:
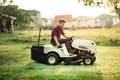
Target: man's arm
{"x":65,"y":36}
{"x":56,"y":40}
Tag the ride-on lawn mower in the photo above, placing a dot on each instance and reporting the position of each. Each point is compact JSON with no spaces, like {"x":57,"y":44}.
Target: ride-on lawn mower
{"x":48,"y":54}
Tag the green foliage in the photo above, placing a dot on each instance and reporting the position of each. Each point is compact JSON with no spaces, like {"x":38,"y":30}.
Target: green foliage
{"x":115,"y":4}
{"x":117,"y":7}
{"x":23,"y":17}
{"x":111,"y":42}
{"x":5,"y":2}
{"x":50,"y":26}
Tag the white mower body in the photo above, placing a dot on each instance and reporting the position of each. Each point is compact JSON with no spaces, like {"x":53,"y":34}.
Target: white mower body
{"x":62,"y":52}
{"x":84,"y":45}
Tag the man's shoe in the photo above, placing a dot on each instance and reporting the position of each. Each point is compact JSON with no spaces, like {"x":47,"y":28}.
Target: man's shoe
{"x":71,"y":51}
{"x":59,"y":46}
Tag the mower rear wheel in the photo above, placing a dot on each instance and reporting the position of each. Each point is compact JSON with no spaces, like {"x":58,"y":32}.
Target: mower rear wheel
{"x":52,"y":59}
{"x":88,"y":60}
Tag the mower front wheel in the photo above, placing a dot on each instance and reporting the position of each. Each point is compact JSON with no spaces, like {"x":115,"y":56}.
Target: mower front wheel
{"x":52,"y":59}
{"x":94,"y":58}
{"x":88,"y":60}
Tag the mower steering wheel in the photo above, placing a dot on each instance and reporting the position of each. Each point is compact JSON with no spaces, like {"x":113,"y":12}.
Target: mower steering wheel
{"x":71,"y":38}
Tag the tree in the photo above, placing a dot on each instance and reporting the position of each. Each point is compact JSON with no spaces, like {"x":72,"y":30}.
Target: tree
{"x":114,"y":4}
{"x":5,"y":2}
{"x":23,"y":17}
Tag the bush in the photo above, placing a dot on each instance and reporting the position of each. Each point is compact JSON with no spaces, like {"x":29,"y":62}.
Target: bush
{"x":111,"y":42}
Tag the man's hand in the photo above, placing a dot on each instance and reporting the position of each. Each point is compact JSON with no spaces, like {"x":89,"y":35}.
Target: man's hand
{"x":56,"y":40}
{"x":58,"y":44}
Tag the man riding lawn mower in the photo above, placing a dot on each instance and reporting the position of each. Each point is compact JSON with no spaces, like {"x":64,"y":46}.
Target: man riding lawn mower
{"x":76,"y":51}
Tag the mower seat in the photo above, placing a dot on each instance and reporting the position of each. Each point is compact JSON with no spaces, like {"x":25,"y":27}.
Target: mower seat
{"x":54,"y":44}
{"x":58,"y":46}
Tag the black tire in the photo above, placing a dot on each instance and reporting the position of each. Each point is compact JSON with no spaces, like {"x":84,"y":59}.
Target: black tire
{"x":52,"y":59}
{"x":88,"y":60}
{"x":94,"y":58}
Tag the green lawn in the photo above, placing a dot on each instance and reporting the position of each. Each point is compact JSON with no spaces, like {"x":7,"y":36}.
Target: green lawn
{"x":16,"y":63}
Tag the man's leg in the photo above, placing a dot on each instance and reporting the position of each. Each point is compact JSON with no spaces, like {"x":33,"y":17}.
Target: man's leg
{"x":62,"y":40}
{"x":67,"y":44}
